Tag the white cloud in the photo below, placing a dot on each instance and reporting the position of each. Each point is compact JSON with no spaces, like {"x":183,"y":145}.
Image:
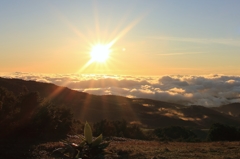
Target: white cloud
{"x":211,"y":90}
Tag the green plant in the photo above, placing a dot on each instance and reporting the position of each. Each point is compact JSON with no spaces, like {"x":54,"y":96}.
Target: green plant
{"x":89,"y":148}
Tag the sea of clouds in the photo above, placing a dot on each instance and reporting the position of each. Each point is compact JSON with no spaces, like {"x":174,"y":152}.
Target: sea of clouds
{"x":209,"y":90}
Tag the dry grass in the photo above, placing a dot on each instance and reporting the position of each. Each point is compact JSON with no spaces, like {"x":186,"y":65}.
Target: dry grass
{"x":137,"y":149}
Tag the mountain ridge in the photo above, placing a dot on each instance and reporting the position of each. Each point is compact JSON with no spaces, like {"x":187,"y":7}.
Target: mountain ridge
{"x":148,"y":112}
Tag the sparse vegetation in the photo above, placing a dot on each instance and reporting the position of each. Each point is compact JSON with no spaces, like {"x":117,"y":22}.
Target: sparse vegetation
{"x":32,"y":124}
{"x":222,"y":132}
{"x":140,"y":149}
{"x":119,"y":128}
{"x":175,"y":133}
{"x":28,"y":119}
{"x":88,"y":148}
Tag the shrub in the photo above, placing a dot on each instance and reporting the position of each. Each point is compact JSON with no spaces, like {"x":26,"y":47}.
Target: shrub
{"x":175,"y":133}
{"x":51,"y":121}
{"x":221,"y":132}
{"x":7,"y":104}
{"x":106,"y":127}
{"x":134,"y":132}
{"x":118,"y":128}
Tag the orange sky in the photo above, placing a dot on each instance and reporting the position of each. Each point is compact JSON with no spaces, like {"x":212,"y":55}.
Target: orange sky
{"x":158,"y":38}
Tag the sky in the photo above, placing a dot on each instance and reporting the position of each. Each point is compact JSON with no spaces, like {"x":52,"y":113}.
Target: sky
{"x":148,"y":38}
{"x":180,"y":51}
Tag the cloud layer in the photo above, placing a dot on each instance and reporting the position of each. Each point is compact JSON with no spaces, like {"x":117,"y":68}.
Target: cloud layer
{"x":211,"y":90}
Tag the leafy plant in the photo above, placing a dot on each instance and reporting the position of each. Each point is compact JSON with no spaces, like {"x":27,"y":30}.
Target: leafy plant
{"x":89,"y":148}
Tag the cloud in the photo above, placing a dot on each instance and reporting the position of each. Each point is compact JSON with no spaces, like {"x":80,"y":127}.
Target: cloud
{"x":210,"y":90}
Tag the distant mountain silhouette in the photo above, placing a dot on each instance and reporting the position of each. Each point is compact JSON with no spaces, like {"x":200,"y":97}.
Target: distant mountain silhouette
{"x":152,"y":113}
{"x":232,"y":109}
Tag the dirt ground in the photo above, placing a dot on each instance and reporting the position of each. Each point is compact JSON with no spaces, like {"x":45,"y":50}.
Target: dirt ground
{"x":137,"y":149}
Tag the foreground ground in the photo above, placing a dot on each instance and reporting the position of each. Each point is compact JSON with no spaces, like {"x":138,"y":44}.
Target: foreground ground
{"x":136,"y":149}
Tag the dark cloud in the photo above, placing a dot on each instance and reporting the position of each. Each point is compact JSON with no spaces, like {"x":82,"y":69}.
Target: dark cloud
{"x":167,"y":80}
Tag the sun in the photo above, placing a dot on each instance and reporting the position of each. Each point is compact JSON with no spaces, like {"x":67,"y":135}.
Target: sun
{"x":100,"y":53}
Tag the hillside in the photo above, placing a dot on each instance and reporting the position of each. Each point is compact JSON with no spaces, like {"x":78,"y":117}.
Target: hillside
{"x":232,"y":109}
{"x":150,"y":113}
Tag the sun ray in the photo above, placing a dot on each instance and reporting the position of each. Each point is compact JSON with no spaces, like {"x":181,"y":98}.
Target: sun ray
{"x":121,"y":34}
{"x":86,"y":38}
{"x":72,"y":27}
{"x":107,"y":45}
{"x":85,"y":66}
{"x":124,"y":31}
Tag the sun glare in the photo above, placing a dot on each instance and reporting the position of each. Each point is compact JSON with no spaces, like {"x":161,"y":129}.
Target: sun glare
{"x":100,"y":53}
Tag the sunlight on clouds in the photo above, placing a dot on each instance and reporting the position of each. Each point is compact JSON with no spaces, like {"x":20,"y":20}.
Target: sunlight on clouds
{"x":188,"y":95}
{"x":177,"y":90}
{"x":209,"y":90}
{"x":231,"y":81}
